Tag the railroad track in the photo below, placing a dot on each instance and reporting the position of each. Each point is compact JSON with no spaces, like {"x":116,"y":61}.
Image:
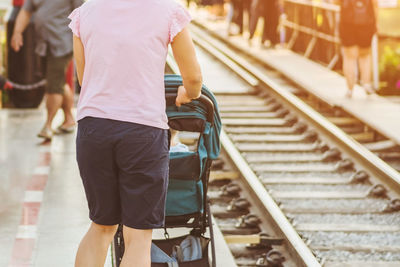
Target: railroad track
{"x":291,"y":183}
{"x":371,"y":138}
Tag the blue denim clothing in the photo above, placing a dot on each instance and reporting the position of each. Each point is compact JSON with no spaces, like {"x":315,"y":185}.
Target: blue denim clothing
{"x":159,"y":256}
{"x":190,"y":249}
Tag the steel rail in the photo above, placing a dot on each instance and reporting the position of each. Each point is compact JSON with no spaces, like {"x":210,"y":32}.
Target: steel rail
{"x":380,"y":168}
{"x":295,"y":241}
{"x":303,"y":253}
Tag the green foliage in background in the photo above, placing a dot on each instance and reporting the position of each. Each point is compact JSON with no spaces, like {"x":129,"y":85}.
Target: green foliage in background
{"x":389,"y":67}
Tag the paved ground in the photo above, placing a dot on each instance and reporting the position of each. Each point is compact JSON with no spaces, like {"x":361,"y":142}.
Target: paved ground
{"x":38,"y":227}
{"x":5,"y":3}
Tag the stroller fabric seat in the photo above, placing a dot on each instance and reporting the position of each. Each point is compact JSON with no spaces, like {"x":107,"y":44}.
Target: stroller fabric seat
{"x":186,"y":187}
{"x":185,"y":191}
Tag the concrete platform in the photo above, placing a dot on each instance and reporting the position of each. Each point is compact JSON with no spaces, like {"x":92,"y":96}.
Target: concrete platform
{"x":43,"y":208}
{"x":379,"y":113}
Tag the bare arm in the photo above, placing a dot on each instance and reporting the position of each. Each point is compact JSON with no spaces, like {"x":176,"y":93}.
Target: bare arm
{"x":21,"y":23}
{"x":79,"y":56}
{"x":185,"y":56}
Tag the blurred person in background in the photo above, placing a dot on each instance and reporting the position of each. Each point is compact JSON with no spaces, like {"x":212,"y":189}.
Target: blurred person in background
{"x":269,"y":10}
{"x":190,"y":1}
{"x":215,"y":8}
{"x":271,"y":18}
{"x":54,"y":41}
{"x":358,"y":24}
{"x":237,"y":9}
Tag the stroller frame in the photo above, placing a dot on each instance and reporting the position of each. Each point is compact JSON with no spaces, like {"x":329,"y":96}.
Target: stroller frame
{"x":208,"y":124}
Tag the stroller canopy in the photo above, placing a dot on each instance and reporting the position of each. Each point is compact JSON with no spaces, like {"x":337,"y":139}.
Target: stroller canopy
{"x":195,"y":117}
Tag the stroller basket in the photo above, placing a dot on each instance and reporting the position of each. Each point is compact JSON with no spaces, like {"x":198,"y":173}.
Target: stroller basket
{"x":167,"y":245}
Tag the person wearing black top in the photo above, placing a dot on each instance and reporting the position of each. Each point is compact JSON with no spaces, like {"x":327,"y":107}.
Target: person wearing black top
{"x":358,"y":24}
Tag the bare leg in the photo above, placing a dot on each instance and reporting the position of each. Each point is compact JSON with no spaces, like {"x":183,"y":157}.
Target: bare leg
{"x":350,"y":67}
{"x":67,"y":105}
{"x":53,"y":103}
{"x":94,"y":245}
{"x":137,"y":248}
{"x":229,"y":18}
{"x":364,"y":62}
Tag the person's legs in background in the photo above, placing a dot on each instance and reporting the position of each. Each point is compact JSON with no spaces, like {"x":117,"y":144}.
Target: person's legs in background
{"x":246,"y":5}
{"x":137,"y":247}
{"x":350,"y":55}
{"x":235,"y":15}
{"x":93,"y":248}
{"x":68,"y":100}
{"x":55,"y":91}
{"x":229,"y":17}
{"x":67,"y":105}
{"x":271,"y":18}
{"x":215,"y":7}
{"x":364,"y":63}
{"x":53,"y":103}
{"x":240,"y":10}
{"x":255,"y":13}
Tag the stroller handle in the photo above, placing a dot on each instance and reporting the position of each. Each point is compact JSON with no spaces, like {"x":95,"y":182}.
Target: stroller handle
{"x":171,"y":97}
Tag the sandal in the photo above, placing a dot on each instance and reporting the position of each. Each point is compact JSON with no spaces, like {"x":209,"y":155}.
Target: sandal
{"x":368,"y":89}
{"x":46,"y":133}
{"x":63,"y":129}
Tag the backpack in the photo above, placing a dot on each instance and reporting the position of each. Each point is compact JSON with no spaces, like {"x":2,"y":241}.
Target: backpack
{"x":357,"y":12}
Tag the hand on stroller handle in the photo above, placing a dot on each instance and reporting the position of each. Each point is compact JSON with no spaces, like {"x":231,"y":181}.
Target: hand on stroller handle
{"x":182,"y":97}
{"x":172,"y":98}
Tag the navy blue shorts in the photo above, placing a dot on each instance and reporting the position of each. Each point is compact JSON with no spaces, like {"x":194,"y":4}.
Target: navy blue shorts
{"x":124,"y":169}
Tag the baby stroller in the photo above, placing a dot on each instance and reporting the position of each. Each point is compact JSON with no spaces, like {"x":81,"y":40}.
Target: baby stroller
{"x":187,"y":204}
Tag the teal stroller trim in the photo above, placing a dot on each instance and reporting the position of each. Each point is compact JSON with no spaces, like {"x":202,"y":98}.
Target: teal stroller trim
{"x":204,"y":111}
{"x":211,"y":135}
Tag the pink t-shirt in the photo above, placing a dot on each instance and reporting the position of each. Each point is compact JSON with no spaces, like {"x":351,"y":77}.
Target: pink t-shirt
{"x":126,"y":44}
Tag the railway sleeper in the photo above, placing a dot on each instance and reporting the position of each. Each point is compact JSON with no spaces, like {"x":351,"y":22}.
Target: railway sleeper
{"x":357,"y":178}
{"x":217,"y":164}
{"x":318,"y":146}
{"x":306,"y":137}
{"x":255,"y":241}
{"x":271,"y":259}
{"x":297,"y":128}
{"x":376,"y":191}
{"x":331,"y":155}
{"x":248,"y":252}
{"x":229,"y":230}
{"x":223,"y":175}
{"x":340,"y":167}
{"x":392,"y":206}
{"x":236,"y":208}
